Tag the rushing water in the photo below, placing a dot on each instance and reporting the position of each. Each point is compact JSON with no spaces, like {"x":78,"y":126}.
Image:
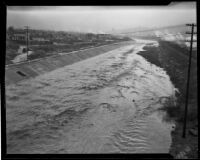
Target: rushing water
{"x":105,"y":104}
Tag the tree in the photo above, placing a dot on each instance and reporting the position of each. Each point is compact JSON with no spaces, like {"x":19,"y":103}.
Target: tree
{"x":11,"y":29}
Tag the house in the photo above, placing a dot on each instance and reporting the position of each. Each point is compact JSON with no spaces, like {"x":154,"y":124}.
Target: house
{"x":40,"y":40}
{"x":19,"y":36}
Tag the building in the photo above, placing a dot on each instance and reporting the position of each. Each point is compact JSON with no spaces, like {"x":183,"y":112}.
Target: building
{"x":20,"y":36}
{"x":39,"y":39}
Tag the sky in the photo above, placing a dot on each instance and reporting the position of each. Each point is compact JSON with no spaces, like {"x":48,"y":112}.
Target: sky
{"x":100,"y":18}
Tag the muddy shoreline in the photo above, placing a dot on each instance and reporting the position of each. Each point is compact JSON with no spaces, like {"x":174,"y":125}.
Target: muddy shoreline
{"x":171,"y":58}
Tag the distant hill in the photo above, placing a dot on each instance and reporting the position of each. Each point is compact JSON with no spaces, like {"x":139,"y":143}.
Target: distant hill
{"x":148,"y":29}
{"x":174,"y":33}
{"x":129,"y":30}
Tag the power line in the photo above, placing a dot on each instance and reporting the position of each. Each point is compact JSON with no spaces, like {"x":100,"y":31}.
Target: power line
{"x":27,"y":38}
{"x":188,"y":78}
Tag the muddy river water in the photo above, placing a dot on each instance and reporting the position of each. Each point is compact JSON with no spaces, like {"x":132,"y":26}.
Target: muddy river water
{"x":105,"y":104}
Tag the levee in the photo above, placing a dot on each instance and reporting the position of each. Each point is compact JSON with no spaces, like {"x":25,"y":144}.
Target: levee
{"x":25,"y":70}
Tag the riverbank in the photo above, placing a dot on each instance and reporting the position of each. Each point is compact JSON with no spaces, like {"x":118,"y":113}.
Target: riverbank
{"x":174,"y":60}
{"x":24,"y":70}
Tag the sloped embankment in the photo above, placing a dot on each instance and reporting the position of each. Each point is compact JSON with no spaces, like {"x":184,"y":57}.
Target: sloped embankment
{"x":22,"y":71}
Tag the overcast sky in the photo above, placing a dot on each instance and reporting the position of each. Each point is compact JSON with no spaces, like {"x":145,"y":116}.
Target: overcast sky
{"x":100,"y":18}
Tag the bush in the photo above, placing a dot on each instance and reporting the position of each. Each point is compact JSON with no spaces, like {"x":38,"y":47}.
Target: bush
{"x":37,"y":54}
{"x":171,"y":108}
{"x":177,"y":112}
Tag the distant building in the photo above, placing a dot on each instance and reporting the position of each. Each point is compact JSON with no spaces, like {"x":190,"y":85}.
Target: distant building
{"x":19,"y":36}
{"x":39,"y":39}
{"x":23,"y":49}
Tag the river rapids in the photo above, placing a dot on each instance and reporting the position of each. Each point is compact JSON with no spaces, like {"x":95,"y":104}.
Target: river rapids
{"x":104,"y":104}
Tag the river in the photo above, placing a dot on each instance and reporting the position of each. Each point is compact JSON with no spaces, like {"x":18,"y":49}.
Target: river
{"x":105,"y":104}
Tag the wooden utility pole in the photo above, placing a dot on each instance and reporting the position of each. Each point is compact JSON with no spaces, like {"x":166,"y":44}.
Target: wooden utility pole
{"x":188,"y":78}
{"x":27,"y":38}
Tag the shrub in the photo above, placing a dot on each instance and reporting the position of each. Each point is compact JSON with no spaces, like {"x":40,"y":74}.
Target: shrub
{"x":171,"y":108}
{"x":177,"y":112}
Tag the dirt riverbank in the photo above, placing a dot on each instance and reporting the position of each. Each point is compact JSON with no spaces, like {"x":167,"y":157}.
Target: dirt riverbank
{"x":174,"y":60}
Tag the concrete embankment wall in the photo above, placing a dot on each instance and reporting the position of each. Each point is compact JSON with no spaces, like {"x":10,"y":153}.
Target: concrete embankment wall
{"x":18,"y":72}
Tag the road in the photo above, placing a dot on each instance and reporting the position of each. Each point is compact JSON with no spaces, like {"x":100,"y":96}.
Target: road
{"x":105,"y":104}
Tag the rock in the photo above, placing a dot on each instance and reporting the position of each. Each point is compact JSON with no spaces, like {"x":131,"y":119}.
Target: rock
{"x":182,"y":154}
{"x":193,"y":132}
{"x":187,"y":149}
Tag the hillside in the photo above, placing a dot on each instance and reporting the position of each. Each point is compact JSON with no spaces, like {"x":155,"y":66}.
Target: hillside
{"x":170,"y":33}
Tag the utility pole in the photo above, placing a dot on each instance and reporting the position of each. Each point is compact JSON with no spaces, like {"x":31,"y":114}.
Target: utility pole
{"x":26,"y":27}
{"x":188,"y":78}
